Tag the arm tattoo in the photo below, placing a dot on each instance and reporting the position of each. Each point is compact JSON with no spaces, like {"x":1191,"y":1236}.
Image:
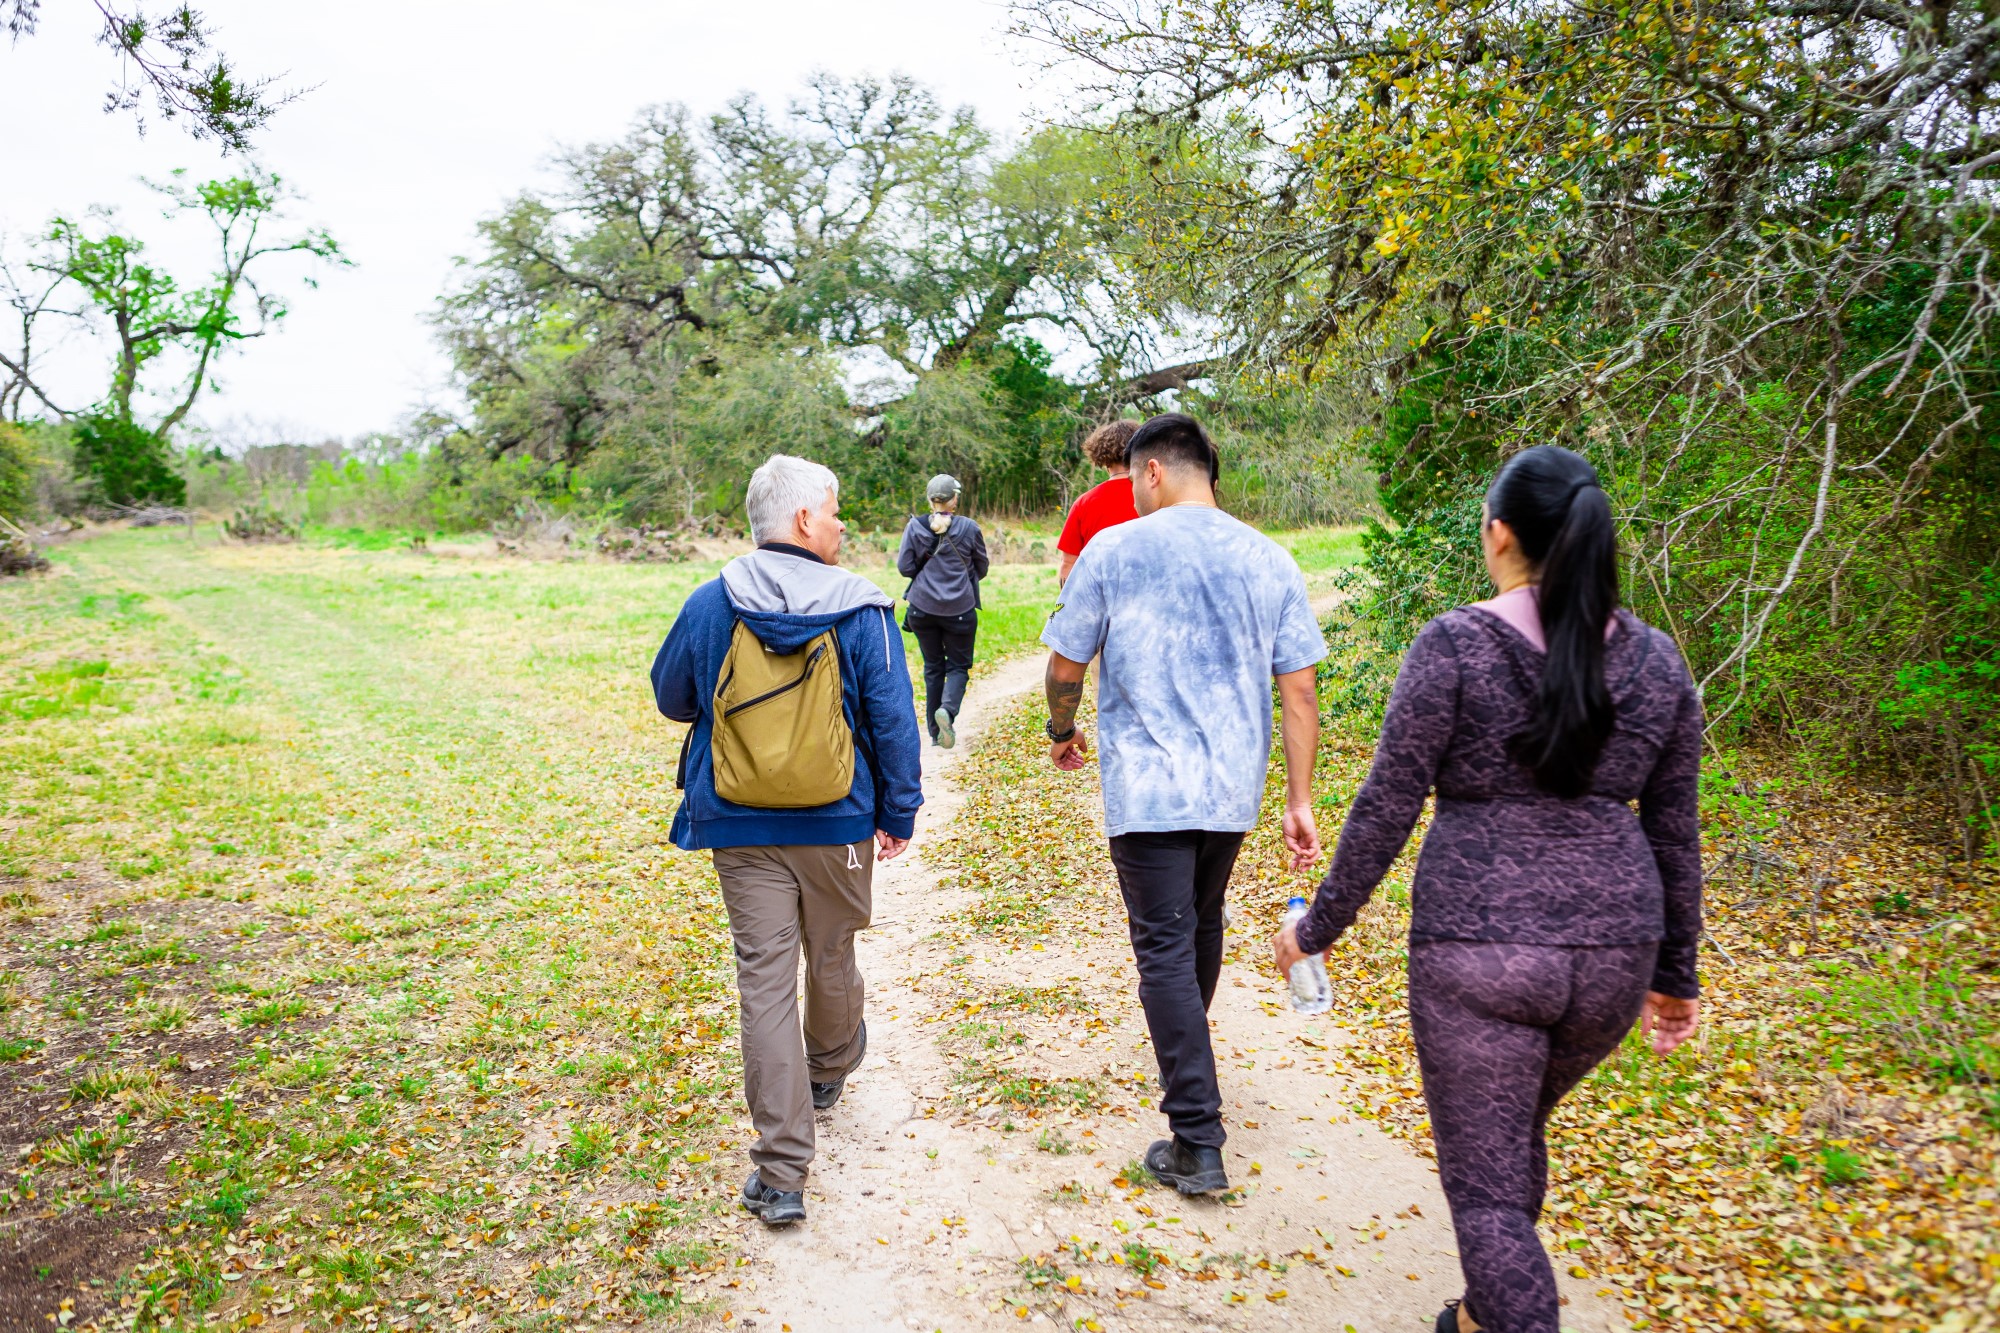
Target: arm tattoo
{"x":1064,"y":698}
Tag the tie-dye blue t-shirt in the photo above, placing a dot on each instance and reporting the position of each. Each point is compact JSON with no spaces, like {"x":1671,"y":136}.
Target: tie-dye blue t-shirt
{"x":1194,"y":613}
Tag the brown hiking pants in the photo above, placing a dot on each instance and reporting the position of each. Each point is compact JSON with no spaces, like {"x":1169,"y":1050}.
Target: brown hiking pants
{"x":784,"y":901}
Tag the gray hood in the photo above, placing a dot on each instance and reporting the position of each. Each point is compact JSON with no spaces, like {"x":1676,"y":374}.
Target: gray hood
{"x":776,"y":581}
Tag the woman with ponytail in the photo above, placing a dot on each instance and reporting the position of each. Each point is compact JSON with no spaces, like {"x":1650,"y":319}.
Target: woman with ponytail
{"x":1546,"y":913}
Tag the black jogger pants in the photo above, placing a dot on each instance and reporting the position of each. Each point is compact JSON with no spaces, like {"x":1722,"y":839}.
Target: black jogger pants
{"x":1173,"y":884}
{"x":946,"y":643}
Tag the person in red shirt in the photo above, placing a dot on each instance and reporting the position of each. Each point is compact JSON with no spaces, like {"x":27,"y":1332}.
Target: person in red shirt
{"x":1104,"y":505}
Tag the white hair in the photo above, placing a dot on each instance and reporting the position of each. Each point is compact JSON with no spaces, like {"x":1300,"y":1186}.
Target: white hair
{"x":780,"y":489}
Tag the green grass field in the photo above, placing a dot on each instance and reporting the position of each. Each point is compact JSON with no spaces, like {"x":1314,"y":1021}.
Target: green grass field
{"x":1322,"y":550}
{"x":347,"y":974}
{"x":344,"y":941}
{"x":345,"y":948}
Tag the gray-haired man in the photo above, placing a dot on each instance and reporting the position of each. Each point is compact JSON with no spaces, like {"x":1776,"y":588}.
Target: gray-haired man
{"x":795,"y":880}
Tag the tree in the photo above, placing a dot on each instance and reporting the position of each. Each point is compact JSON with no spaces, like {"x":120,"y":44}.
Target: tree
{"x":169,"y":57}
{"x":862,"y":231}
{"x":17,"y":458}
{"x":1741,"y":253}
{"x":33,"y":298}
{"x":149,"y":313}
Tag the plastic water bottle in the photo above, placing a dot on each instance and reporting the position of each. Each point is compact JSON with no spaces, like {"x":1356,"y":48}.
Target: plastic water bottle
{"x":1312,"y":993}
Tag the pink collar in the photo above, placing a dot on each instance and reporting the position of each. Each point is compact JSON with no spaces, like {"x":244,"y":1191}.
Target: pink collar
{"x":1521,"y":609}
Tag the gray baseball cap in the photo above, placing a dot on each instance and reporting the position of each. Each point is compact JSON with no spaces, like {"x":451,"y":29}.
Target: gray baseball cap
{"x":943,"y":486}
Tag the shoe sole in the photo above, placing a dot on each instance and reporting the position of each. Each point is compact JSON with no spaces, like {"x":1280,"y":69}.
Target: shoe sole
{"x":1191,"y":1185}
{"x":946,"y":737}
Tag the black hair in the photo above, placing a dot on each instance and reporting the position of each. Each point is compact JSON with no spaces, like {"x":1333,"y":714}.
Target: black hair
{"x":1177,"y":440}
{"x":1558,"y":511}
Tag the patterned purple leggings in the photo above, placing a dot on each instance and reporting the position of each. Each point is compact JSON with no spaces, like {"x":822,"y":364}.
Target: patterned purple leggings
{"x":1503,"y":1032}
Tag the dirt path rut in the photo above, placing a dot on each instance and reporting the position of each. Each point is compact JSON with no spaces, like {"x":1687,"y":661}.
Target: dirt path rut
{"x":928,"y":1214}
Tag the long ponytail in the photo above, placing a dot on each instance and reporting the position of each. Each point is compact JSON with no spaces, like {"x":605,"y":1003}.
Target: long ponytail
{"x":1558,"y":511}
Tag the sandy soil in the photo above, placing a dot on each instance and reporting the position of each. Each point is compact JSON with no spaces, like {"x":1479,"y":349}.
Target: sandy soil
{"x":928,"y":1214}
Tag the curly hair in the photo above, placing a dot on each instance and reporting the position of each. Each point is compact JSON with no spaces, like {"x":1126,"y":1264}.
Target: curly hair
{"x":1105,"y":446}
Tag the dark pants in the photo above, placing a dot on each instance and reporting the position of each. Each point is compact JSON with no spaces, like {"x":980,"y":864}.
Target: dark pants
{"x":946,"y":643}
{"x":1173,"y":885}
{"x":1503,"y":1032}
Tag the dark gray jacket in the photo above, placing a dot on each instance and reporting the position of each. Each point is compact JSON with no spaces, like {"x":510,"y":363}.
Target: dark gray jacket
{"x":949,"y":582}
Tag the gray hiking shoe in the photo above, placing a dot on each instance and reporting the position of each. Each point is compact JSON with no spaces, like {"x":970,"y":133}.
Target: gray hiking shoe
{"x":946,"y":737}
{"x":776,"y":1207}
{"x":824,"y":1095}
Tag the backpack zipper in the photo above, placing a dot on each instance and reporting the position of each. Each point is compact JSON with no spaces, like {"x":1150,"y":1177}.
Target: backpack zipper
{"x":812,"y":661}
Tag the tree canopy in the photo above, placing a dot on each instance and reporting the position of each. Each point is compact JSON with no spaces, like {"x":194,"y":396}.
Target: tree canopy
{"x":168,"y":63}
{"x":863,"y":270}
{"x":89,"y":269}
{"x":1739,"y":253}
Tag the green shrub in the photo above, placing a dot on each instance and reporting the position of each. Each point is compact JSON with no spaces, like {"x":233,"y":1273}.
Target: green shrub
{"x":1841,"y":1166}
{"x":261,"y":522}
{"x":17,"y":472}
{"x":124,"y":463}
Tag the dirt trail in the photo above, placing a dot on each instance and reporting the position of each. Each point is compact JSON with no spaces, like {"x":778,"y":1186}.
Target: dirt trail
{"x":924,"y":1213}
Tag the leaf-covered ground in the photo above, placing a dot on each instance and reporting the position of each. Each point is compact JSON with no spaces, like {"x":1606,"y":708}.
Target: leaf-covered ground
{"x":347,"y":978}
{"x":347,"y":981}
{"x":1822,"y":1157}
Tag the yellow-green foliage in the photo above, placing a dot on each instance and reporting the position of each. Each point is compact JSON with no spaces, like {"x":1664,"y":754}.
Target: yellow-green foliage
{"x":17,"y":458}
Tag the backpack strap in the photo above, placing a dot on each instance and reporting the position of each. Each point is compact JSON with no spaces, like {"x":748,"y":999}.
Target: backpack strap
{"x":687,"y":737}
{"x":681,"y":767}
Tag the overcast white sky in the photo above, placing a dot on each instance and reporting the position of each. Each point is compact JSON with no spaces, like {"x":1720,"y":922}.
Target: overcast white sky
{"x":423,"y":117}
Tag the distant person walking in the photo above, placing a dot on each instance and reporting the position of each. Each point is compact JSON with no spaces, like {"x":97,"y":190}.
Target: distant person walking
{"x":1195,"y":614}
{"x":1104,"y":505}
{"x":1547,"y":914}
{"x":944,"y":557}
{"x":802,"y":752}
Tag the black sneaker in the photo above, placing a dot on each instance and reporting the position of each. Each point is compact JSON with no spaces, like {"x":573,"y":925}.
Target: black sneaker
{"x":1448,"y":1318}
{"x":1189,"y":1168}
{"x":778,"y":1208}
{"x":826,"y":1094}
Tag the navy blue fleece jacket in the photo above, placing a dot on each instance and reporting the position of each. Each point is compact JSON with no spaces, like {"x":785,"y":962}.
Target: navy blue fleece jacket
{"x":785,"y":599}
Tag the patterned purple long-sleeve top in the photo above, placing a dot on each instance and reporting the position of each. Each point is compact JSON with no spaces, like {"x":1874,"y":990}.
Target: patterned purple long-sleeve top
{"x":1504,"y":861}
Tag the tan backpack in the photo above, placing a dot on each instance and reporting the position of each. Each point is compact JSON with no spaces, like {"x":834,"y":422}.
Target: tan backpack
{"x":781,"y":739}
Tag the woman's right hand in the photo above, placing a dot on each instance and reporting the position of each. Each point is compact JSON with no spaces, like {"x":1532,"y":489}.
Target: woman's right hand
{"x":1285,"y":951}
{"x":1668,"y":1020}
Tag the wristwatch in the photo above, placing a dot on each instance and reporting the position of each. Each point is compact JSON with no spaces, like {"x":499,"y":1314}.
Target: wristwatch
{"x":1058,"y":736}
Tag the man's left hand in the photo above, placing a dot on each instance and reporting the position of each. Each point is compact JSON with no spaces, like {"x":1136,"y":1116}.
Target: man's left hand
{"x":888,"y":847}
{"x":1301,"y":836}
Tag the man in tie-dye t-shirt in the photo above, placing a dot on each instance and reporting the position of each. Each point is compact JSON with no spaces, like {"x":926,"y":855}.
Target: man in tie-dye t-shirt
{"x":1195,"y":615}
